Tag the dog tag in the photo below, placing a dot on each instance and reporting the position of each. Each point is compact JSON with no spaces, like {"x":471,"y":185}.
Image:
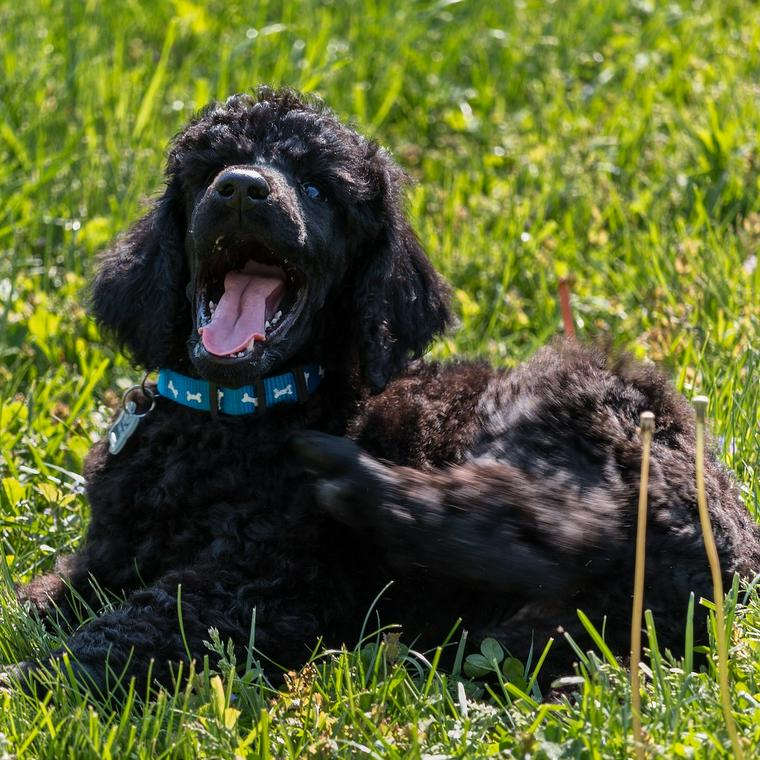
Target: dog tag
{"x":121,"y":430}
{"x":129,"y":418}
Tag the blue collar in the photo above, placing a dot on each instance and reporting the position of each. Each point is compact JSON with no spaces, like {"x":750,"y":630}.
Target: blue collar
{"x":288,"y":388}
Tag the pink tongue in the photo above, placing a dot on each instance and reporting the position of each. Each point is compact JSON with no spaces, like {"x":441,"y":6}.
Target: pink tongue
{"x":249,"y":300}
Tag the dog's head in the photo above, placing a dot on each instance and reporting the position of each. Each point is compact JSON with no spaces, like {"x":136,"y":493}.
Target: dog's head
{"x":280,"y":239}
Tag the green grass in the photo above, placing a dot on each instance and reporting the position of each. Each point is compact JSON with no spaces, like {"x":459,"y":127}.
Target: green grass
{"x":614,"y":141}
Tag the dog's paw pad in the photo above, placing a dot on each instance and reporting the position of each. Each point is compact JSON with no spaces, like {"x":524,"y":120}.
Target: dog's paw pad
{"x":350,"y":483}
{"x":339,"y":498}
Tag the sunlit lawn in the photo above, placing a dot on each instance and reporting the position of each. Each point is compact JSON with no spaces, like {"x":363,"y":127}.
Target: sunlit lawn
{"x":616,"y":142}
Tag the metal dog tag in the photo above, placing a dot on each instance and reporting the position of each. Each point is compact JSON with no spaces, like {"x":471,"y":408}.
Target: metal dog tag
{"x":129,"y":418}
{"x":123,"y":427}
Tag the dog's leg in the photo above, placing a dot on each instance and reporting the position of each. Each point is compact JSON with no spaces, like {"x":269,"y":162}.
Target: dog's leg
{"x":50,"y":594}
{"x":485,"y":522}
{"x":44,"y":593}
{"x":165,"y":624}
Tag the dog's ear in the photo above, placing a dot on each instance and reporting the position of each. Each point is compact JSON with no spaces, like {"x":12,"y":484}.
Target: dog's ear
{"x":402,"y":303}
{"x":138,"y":292}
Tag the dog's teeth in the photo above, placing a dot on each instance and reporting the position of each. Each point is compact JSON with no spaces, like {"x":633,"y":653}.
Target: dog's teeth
{"x":267,"y":324}
{"x":249,"y":347}
{"x":211,"y":306}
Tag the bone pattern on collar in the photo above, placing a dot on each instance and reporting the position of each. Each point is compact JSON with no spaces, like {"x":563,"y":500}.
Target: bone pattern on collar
{"x":279,"y":389}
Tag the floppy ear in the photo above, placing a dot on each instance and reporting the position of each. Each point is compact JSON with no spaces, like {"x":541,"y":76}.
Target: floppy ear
{"x":138,"y":292}
{"x":401,"y":303}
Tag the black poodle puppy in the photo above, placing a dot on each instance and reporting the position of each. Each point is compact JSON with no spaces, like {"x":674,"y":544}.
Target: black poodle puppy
{"x":296,"y":455}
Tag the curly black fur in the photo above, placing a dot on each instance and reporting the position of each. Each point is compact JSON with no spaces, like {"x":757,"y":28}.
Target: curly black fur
{"x":506,"y":498}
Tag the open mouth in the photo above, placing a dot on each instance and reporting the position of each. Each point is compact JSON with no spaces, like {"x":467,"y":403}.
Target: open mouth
{"x":245,"y":298}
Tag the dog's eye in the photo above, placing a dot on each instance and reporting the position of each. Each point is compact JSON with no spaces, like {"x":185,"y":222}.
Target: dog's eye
{"x":313,"y":192}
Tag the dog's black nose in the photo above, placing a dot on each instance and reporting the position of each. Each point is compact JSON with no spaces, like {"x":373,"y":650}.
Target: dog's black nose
{"x":241,"y":187}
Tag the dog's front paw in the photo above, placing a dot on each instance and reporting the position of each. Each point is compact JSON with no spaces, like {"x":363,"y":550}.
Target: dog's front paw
{"x":17,"y":677}
{"x":36,"y":679}
{"x":7,"y":677}
{"x":350,"y":483}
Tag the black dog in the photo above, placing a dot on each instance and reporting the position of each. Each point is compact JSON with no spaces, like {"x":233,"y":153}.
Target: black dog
{"x":285,"y":299}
